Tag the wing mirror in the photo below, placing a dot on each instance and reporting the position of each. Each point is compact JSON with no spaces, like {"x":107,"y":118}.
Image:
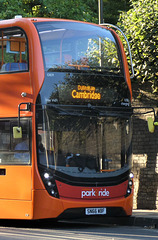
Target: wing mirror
{"x":17,"y":130}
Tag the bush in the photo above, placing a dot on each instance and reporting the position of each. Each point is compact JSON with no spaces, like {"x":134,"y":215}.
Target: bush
{"x":140,"y":24}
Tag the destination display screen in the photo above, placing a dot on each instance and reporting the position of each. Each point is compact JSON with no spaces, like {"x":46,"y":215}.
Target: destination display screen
{"x":75,"y":88}
{"x":85,"y":93}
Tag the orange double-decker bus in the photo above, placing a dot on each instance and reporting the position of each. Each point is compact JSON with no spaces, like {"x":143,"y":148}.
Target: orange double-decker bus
{"x":65,"y":120}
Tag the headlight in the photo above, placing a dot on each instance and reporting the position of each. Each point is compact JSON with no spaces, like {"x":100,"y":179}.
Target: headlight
{"x":130,"y":184}
{"x":49,"y":182}
{"x":46,"y":175}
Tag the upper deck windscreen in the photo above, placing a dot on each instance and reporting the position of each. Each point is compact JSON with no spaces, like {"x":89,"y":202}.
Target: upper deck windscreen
{"x":78,"y":46}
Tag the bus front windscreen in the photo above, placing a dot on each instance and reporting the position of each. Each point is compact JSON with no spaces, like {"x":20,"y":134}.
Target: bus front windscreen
{"x":78,"y":46}
{"x":82,"y":125}
{"x":90,"y":142}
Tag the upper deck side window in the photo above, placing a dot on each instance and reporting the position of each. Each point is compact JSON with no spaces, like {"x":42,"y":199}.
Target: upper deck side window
{"x":13,"y":50}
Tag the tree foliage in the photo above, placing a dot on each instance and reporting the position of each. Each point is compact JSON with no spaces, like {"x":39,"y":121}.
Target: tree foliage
{"x":9,"y":8}
{"x":112,"y":9}
{"x":68,"y":9}
{"x":140,"y":24}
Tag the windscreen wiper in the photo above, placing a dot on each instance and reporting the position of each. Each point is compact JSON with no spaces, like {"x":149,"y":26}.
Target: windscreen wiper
{"x":60,"y":109}
{"x":90,"y":110}
{"x":91,"y":69}
{"x":112,"y":111}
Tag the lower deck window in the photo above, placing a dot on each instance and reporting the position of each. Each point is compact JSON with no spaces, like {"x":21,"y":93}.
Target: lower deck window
{"x":14,"y":150}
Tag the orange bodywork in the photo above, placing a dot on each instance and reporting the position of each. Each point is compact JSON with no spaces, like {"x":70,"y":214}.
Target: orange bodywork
{"x":46,"y":207}
{"x":22,"y":194}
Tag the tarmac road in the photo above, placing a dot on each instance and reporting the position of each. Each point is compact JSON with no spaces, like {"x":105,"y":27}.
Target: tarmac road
{"x":74,"y":231}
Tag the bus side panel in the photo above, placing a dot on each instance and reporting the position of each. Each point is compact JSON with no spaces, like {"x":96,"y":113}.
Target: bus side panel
{"x":16,"y":192}
{"x":46,"y":206}
{"x":12,"y":85}
{"x":16,"y":183}
{"x":15,"y":209}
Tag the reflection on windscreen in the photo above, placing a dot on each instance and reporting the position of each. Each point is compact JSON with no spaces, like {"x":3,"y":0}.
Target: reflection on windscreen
{"x":81,"y":144}
{"x":77,"y":46}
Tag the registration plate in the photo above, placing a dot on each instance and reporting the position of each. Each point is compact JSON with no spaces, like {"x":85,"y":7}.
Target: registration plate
{"x":95,"y":211}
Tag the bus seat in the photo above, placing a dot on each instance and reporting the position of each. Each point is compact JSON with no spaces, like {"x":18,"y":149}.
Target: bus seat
{"x":11,"y":67}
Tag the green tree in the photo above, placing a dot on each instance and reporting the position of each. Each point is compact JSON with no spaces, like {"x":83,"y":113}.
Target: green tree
{"x":68,"y":9}
{"x":9,"y":8}
{"x":140,"y":25}
{"x":112,"y":9}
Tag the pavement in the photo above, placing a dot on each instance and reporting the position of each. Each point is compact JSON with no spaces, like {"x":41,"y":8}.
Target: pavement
{"x":144,"y":218}
{"x":141,"y":218}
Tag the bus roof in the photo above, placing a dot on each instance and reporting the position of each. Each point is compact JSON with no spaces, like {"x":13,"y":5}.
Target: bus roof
{"x":17,"y":20}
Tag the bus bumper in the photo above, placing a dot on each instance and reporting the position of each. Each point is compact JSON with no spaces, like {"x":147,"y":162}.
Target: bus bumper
{"x":46,"y":206}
